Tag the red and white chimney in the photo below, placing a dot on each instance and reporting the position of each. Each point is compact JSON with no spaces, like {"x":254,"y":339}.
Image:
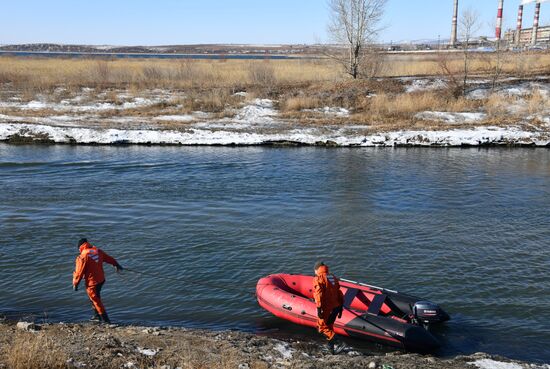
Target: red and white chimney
{"x":535,"y":31}
{"x":499,"y":19}
{"x":519,"y":25}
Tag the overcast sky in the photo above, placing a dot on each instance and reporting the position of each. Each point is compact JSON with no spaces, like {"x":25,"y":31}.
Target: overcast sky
{"x":163,"y":22}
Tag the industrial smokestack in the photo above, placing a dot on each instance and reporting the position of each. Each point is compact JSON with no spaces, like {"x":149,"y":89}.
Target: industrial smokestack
{"x":520,"y":24}
{"x":454,"y":30}
{"x":536,"y":24}
{"x":499,"y":19}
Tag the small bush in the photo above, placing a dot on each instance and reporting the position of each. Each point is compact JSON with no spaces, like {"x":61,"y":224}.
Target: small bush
{"x":262,"y":74}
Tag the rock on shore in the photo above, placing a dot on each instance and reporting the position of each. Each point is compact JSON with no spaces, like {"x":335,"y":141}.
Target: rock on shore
{"x":96,"y":346}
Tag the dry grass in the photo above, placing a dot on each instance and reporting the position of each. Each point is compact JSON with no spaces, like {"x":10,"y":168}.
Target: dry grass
{"x":42,"y":75}
{"x":517,"y":64}
{"x":29,"y":351}
{"x":406,"y":105}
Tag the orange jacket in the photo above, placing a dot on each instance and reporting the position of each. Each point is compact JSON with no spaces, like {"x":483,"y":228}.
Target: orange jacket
{"x":89,"y":265}
{"x":326,"y":290}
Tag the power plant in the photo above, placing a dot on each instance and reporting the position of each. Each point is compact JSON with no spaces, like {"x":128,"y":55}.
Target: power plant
{"x":529,"y":36}
{"x":520,"y":37}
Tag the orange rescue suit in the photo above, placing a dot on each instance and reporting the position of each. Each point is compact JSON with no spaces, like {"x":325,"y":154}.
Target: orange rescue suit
{"x":328,"y":297}
{"x":89,"y":265}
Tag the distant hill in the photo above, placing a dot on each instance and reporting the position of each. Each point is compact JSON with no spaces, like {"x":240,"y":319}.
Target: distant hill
{"x":170,"y":49}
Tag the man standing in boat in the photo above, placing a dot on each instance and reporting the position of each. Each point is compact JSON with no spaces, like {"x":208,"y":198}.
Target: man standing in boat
{"x":89,"y":265}
{"x":330,"y":304}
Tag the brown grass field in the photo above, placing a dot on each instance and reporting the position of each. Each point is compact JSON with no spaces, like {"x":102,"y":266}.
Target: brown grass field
{"x":295,"y":85}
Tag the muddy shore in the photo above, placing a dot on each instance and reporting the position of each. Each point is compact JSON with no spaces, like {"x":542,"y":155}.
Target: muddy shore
{"x":99,"y":346}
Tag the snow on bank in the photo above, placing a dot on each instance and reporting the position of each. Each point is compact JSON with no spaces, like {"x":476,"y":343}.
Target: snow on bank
{"x":327,"y":110}
{"x":346,"y":136}
{"x":76,"y":106}
{"x":517,"y":90}
{"x":451,"y":118}
{"x":420,"y":85}
{"x":492,"y":364}
{"x":260,"y":111}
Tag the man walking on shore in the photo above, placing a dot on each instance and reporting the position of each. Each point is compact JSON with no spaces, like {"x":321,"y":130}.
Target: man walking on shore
{"x":89,"y":265}
{"x":330,"y":303}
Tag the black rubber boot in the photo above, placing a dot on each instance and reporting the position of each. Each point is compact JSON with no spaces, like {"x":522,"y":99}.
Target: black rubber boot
{"x":96,"y":318}
{"x":336,"y":346}
{"x":339,"y":346}
{"x":105,"y":318}
{"x":330,"y":346}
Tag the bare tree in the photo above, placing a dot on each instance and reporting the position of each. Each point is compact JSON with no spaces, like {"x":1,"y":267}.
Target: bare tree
{"x":469,"y":26}
{"x":496,"y":60}
{"x":355,"y":24}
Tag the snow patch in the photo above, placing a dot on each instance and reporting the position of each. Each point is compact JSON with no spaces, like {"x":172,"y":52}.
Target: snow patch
{"x":147,"y":352}
{"x":518,"y":90}
{"x":285,"y":350}
{"x":327,"y":110}
{"x":493,"y":364}
{"x":260,"y":111}
{"x":74,"y":105}
{"x":175,"y":118}
{"x":419,"y":85}
{"x":451,"y":118}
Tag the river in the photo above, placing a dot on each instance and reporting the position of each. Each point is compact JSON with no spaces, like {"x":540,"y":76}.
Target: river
{"x":466,"y":228}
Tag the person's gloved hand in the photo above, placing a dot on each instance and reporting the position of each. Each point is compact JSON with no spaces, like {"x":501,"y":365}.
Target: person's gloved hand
{"x":340,"y":310}
{"x":320,"y":313}
{"x":119,"y":268}
{"x":75,"y":287}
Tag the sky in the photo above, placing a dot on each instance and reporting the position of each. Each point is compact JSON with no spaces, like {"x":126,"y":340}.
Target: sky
{"x":169,"y":22}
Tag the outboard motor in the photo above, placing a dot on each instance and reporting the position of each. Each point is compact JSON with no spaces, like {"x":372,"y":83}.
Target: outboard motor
{"x":426,"y":313}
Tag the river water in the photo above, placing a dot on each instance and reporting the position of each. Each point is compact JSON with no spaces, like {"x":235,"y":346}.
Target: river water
{"x":466,"y":228}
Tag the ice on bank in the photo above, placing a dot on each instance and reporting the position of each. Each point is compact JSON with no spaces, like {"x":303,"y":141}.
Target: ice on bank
{"x":337,"y":136}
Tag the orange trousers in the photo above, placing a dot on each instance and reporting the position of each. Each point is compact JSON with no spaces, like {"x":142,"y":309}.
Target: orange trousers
{"x":94,"y":293}
{"x":325,"y":325}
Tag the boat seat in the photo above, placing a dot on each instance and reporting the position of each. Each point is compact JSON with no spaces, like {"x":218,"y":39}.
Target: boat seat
{"x":376,"y":304}
{"x":350,"y":295}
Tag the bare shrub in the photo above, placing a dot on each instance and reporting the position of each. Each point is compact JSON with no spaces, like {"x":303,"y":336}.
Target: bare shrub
{"x":262,"y":74}
{"x":538,"y":103}
{"x":372,"y":64}
{"x":101,"y":72}
{"x":300,"y":103}
{"x":213,"y":101}
{"x":152,"y":73}
{"x":186,"y":71}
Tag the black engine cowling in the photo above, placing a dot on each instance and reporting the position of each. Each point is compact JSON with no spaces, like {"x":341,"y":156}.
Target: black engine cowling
{"x":426,"y":312}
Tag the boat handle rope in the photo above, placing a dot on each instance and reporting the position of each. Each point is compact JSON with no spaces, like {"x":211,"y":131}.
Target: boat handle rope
{"x":188,"y":280}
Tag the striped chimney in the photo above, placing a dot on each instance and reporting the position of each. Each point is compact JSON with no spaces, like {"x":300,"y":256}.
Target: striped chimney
{"x":520,"y":24}
{"x":454,"y":30}
{"x":535,"y":31}
{"x":499,"y":19}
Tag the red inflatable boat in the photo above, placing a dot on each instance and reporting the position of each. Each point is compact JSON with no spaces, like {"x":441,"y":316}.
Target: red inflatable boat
{"x":370,"y":312}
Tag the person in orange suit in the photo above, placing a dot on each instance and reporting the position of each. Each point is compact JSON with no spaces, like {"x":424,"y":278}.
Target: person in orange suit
{"x":89,"y":266}
{"x":330,"y":303}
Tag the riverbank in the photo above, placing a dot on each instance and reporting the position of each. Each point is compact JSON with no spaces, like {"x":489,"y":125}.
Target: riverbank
{"x":274,"y":102}
{"x":96,"y":346}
